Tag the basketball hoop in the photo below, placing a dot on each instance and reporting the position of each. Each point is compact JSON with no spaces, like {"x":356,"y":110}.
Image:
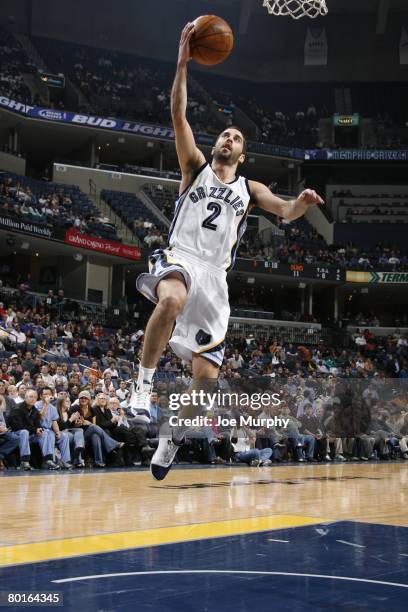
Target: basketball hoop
{"x":296,"y":8}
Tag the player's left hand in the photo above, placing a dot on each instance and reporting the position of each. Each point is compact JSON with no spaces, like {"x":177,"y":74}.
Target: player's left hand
{"x":310,"y":198}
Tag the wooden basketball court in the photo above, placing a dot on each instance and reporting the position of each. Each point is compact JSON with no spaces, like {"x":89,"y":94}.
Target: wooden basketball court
{"x":338,"y":530}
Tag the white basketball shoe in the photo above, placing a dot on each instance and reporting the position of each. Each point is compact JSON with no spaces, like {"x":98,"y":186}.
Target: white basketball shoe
{"x":165,"y":454}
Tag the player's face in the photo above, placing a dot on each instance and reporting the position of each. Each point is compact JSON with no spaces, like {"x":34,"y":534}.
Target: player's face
{"x":229,"y":147}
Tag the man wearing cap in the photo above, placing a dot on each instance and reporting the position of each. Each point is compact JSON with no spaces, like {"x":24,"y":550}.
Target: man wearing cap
{"x":15,"y":368}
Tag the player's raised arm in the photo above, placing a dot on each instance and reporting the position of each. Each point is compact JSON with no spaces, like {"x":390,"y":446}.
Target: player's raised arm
{"x":189,"y":156}
{"x":262,"y":197}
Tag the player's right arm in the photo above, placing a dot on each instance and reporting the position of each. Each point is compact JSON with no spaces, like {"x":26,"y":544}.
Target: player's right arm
{"x":189,"y":156}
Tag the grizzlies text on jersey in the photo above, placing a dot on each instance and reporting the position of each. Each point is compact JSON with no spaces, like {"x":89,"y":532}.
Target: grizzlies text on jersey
{"x":210,"y":218}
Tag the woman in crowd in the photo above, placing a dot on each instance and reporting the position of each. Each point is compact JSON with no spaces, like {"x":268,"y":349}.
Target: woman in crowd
{"x":75,"y":434}
{"x":93,"y":434}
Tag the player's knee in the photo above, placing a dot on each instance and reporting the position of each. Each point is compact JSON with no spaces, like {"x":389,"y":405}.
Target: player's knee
{"x":171,"y":306}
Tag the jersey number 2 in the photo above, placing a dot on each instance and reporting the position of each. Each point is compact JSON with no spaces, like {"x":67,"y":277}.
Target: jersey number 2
{"x":208,"y":222}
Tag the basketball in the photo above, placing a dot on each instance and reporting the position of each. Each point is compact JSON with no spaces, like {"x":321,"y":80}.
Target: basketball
{"x":212,"y":40}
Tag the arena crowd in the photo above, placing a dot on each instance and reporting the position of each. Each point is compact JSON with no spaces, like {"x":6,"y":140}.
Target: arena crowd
{"x":66,"y":395}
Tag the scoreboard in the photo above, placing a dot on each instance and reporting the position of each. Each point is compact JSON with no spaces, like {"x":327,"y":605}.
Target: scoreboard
{"x":298,"y":271}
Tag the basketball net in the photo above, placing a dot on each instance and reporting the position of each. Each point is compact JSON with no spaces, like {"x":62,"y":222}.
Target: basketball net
{"x":296,"y":8}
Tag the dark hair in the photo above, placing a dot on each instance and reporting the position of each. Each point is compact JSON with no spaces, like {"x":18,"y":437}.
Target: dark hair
{"x":46,"y":389}
{"x":235,"y":127}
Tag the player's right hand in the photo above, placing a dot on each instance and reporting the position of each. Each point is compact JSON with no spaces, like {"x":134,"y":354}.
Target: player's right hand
{"x":184,"y":55}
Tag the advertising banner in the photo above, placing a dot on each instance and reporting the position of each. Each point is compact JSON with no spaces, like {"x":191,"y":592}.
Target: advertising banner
{"x":378,"y":278}
{"x":26,"y":227}
{"x":356,"y":155}
{"x":167,"y":133}
{"x":101,"y":245}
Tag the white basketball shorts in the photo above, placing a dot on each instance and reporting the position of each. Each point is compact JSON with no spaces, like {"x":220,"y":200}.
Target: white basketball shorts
{"x":202,"y":325}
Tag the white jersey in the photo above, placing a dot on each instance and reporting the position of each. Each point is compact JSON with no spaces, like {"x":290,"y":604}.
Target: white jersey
{"x":210,"y":218}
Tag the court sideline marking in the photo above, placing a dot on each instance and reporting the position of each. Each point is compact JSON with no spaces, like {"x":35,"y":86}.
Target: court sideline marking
{"x":110,"y":542}
{"x":246,"y":572}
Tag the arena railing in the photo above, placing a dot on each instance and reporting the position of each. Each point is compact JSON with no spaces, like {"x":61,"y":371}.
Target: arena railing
{"x":66,"y":309}
{"x":379,"y":331}
{"x":289,"y":331}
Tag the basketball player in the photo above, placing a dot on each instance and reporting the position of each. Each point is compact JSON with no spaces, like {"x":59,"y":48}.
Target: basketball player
{"x":187,"y":280}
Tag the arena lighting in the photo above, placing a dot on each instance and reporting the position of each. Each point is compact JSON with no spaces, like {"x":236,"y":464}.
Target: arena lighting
{"x":302,"y":285}
{"x":251,"y":280}
{"x":149,"y":144}
{"x":25,"y":245}
{"x":78,"y":257}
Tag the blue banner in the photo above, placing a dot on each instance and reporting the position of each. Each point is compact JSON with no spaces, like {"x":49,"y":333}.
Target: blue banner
{"x":356,"y":154}
{"x":167,"y":133}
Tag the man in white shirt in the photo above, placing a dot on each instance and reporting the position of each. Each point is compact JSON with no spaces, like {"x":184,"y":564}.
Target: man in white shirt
{"x":25,"y":380}
{"x":236,"y":361}
{"x":122,"y":393}
{"x":46,"y":376}
{"x":243,"y":443}
{"x":360,"y":340}
{"x":17,"y":336}
{"x":60,"y":380}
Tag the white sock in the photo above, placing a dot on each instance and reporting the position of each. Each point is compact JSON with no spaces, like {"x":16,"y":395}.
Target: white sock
{"x":145,"y":377}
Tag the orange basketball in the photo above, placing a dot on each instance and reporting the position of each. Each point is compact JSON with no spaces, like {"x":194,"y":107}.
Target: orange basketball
{"x":212,"y":40}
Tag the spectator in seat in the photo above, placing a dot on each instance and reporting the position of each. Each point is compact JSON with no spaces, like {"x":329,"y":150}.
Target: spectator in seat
{"x":108,"y":385}
{"x":9,"y":441}
{"x":25,"y":380}
{"x":51,"y":433}
{"x":10,"y":403}
{"x":122,"y":393}
{"x":243,"y":442}
{"x":311,"y":427}
{"x":25,"y":421}
{"x":60,"y":381}
{"x":46,"y":376}
{"x":75,"y":434}
{"x":236,"y":361}
{"x":297,"y":440}
{"x":93,"y":434}
{"x":74,"y":350}
{"x":112,"y":371}
{"x":331,"y":439}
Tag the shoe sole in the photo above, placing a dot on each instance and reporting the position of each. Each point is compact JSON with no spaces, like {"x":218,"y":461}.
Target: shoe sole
{"x":159,"y":472}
